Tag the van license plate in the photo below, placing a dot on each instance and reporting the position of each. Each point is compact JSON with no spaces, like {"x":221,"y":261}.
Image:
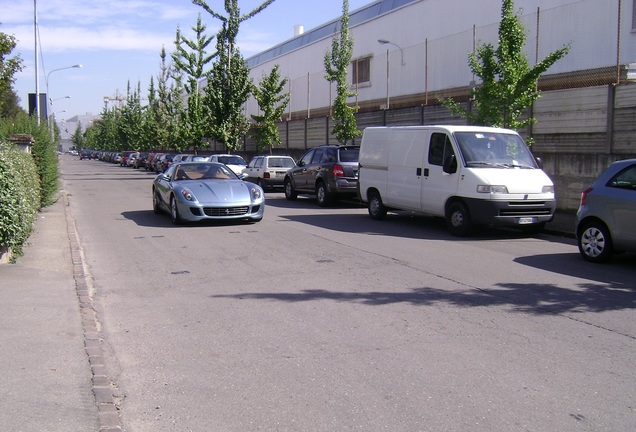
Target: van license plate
{"x":525,"y":221}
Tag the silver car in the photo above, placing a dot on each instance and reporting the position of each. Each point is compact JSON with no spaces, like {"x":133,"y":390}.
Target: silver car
{"x":606,"y":219}
{"x":197,"y":191}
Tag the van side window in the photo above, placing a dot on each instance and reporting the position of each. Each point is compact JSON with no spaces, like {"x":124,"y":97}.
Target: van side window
{"x":439,"y":149}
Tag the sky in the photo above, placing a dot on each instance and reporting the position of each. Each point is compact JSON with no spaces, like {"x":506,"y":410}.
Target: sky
{"x":119,"y":41}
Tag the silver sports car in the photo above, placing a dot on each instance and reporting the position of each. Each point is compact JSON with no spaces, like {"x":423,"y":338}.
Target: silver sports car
{"x":196,"y":191}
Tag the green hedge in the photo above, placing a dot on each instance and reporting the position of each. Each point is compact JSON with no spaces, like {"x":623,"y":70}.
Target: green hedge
{"x":44,"y":152}
{"x":19,"y":196}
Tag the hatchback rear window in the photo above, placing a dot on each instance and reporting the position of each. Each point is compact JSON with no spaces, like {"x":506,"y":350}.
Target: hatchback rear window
{"x":349,"y":154}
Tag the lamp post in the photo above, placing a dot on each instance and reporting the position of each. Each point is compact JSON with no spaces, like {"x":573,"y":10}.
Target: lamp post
{"x":50,"y":118}
{"x":55,"y":70}
{"x":384,"y":42}
{"x":51,"y":123}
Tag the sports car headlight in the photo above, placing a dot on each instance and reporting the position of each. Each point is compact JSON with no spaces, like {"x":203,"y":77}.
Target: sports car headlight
{"x":547,"y":189}
{"x":188,"y":195}
{"x":256,"y":194}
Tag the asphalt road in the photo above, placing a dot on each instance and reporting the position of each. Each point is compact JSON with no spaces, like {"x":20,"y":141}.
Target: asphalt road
{"x":325,"y":320}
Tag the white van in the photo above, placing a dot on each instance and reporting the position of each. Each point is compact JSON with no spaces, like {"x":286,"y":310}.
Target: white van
{"x":470,"y":175}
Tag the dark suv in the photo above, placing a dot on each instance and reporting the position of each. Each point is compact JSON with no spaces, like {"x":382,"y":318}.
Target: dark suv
{"x":329,"y":172}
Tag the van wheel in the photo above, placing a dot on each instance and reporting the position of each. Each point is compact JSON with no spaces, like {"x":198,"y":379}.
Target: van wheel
{"x":458,"y":220}
{"x":322,"y":196}
{"x":290,"y":193}
{"x":377,"y":210}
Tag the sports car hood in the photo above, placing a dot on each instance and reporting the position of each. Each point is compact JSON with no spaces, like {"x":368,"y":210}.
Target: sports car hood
{"x":220,"y":191}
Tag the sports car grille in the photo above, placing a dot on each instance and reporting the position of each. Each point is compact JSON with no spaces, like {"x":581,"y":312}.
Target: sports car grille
{"x":225,"y":211}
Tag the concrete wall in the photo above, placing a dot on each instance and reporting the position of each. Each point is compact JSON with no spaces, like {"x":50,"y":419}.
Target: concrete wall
{"x":579,"y":132}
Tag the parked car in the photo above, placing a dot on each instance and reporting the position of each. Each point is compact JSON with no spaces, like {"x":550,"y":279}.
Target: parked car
{"x":329,"y":172}
{"x":140,"y":161}
{"x":154,"y":163}
{"x":605,"y":220}
{"x":85,"y":154}
{"x":130,"y":162}
{"x":180,"y":157}
{"x":197,"y":191}
{"x":268,"y":171}
{"x":235,"y":162}
{"x":469,"y":175}
{"x":197,"y":158}
{"x":165,"y":161}
{"x":124,"y":157}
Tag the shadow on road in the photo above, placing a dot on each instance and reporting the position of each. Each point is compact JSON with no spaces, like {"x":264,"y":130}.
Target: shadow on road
{"x":539,"y":299}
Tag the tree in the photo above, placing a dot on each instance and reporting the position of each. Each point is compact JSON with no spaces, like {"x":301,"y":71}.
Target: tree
{"x":508,"y":83}
{"x":229,"y":85}
{"x":10,"y":104}
{"x":272,"y":102}
{"x":336,"y":63}
{"x":131,"y":120}
{"x":192,"y":61}
{"x":9,"y":66}
{"x":78,"y":138}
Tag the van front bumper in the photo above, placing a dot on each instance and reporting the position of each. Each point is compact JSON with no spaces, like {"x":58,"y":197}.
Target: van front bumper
{"x":511,"y":213}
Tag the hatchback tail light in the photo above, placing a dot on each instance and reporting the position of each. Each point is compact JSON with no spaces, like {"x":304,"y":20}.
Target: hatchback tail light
{"x":584,"y":195}
{"x":338,"y":171}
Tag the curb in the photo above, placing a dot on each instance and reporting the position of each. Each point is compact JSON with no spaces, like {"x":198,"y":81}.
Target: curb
{"x":103,"y":387}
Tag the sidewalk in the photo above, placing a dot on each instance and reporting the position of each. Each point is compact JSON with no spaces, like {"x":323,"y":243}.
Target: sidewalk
{"x":50,"y":347}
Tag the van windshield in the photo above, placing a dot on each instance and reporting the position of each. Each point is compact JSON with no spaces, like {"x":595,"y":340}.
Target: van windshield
{"x":491,"y":149}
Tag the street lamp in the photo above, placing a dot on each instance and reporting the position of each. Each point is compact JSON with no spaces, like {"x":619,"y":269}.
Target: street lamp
{"x":51,"y":120}
{"x":55,"y":70}
{"x":383,"y":42}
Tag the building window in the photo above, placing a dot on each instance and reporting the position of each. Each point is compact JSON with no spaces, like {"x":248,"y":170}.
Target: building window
{"x":361,"y":71}
{"x":634,"y":16}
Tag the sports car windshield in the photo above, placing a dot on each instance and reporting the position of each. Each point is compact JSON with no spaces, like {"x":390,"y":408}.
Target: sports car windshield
{"x":494,"y":150}
{"x":203,"y":171}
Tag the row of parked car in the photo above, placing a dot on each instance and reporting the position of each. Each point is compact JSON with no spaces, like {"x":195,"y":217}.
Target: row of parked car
{"x":604,"y":223}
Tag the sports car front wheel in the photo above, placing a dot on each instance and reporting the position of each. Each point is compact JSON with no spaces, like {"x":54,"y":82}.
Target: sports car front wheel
{"x":156,"y":207}
{"x":174,"y":211}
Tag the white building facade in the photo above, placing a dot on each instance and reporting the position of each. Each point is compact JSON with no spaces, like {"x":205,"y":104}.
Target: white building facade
{"x":429,"y":43}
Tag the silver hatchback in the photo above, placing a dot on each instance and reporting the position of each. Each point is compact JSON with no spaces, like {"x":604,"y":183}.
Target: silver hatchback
{"x":606,"y":219}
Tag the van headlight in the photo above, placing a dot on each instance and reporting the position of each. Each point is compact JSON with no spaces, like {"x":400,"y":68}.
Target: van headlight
{"x":547,"y":189}
{"x":492,"y":189}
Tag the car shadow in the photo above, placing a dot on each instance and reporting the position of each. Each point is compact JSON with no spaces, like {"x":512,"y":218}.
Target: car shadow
{"x":148,"y":218}
{"x":617,"y":274}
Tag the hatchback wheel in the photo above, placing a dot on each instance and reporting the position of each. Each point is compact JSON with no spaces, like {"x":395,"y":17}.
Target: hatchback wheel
{"x":595,"y":242}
